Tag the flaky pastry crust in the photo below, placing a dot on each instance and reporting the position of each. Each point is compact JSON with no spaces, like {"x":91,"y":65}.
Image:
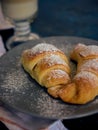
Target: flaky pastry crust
{"x":50,"y":67}
{"x":84,"y":85}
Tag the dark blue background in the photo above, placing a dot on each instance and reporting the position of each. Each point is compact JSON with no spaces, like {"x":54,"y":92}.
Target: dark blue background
{"x":67,"y":18}
{"x":64,"y":18}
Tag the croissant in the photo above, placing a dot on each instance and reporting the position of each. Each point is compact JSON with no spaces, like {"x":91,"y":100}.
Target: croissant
{"x":84,"y":85}
{"x":48,"y":65}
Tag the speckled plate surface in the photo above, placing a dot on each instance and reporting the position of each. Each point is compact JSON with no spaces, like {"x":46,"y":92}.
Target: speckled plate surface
{"x":20,"y":91}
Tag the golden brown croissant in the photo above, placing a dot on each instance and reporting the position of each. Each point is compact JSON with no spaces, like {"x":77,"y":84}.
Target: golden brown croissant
{"x":48,"y":65}
{"x":84,"y":86}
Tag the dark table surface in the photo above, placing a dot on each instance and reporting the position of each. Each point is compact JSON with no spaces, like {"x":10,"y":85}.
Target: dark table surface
{"x":67,"y":18}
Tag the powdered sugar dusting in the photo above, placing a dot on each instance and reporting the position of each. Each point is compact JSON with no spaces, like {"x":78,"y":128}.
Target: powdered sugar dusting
{"x":79,"y":45}
{"x":43,"y":47}
{"x":89,"y":50}
{"x":53,"y":59}
{"x":14,"y":81}
{"x":92,"y":78}
{"x":57,"y":74}
{"x":90,"y":64}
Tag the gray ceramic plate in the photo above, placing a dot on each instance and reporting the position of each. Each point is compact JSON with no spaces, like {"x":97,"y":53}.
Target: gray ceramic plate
{"x":20,"y":91}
